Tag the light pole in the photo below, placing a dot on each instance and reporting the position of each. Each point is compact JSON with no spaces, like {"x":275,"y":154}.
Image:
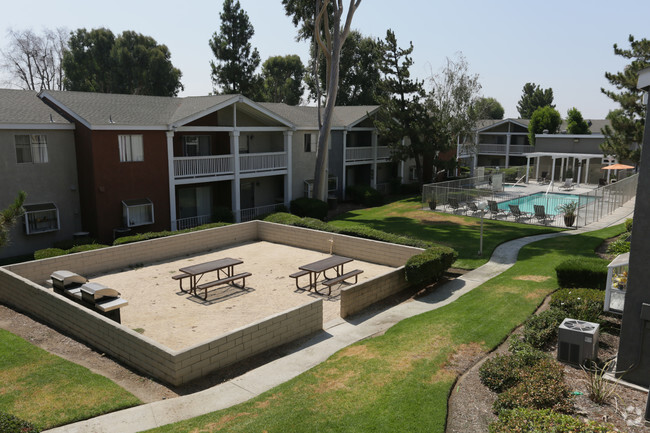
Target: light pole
{"x":481,"y":205}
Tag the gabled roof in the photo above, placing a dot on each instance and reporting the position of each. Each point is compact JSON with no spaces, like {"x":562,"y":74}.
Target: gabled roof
{"x":484,"y":124}
{"x":306,"y":117}
{"x":21,"y":109}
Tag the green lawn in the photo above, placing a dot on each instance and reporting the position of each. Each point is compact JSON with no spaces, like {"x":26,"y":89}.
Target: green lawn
{"x":49,"y":391}
{"x":406,"y":217}
{"x":400,"y":381}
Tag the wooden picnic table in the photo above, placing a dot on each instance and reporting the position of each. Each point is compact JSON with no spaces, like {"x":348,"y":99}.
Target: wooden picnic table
{"x":319,"y":267}
{"x":196,"y":272}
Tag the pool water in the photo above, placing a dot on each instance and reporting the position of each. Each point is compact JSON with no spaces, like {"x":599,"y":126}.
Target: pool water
{"x":549,"y":201}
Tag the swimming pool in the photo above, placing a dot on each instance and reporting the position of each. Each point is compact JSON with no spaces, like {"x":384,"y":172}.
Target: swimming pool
{"x":549,"y":201}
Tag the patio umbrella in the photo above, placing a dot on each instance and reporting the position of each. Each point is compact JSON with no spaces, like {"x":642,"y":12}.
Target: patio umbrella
{"x":617,"y":167}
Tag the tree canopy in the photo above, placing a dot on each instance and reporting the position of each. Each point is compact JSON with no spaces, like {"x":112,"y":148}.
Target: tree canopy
{"x":488,"y":108}
{"x":532,"y":98}
{"x":625,"y":135}
{"x":33,"y":61}
{"x":131,"y":63}
{"x":543,"y":119}
{"x":282,"y":79}
{"x":575,"y":123}
{"x":236,"y":61}
{"x":8,"y":217}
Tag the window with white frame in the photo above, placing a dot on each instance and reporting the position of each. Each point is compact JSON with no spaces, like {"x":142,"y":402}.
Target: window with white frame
{"x":310,"y":143}
{"x":137,"y":212}
{"x":131,"y":148}
{"x":196,"y":145}
{"x":31,"y":148}
{"x":41,"y":218}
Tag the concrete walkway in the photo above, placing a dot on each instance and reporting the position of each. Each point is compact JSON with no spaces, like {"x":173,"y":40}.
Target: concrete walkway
{"x":337,"y":335}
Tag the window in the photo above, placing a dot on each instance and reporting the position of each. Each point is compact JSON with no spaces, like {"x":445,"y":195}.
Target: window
{"x":31,"y":148}
{"x":137,"y":212}
{"x":413,"y":173}
{"x":310,"y":142}
{"x":196,"y":145}
{"x":41,"y":218}
{"x":131,"y":148}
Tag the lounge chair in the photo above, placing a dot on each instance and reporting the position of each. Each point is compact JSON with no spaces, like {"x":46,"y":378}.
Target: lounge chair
{"x":518,"y":213}
{"x":567,"y":185}
{"x":542,"y":178}
{"x":495,"y":210}
{"x":472,"y":207}
{"x":541,"y":215}
{"x":455,"y":206}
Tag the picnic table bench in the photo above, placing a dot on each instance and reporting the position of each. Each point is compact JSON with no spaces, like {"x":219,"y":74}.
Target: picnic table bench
{"x":225,"y":275}
{"x":320,"y":267}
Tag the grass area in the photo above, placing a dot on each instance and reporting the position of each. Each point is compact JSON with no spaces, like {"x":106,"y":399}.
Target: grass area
{"x":49,"y":391}
{"x":462,"y":233}
{"x":400,"y":381}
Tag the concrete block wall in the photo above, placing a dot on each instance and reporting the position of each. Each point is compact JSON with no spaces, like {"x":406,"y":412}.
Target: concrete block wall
{"x":137,"y":253}
{"x":148,"y":356}
{"x":359,"y":296}
{"x":382,"y":253}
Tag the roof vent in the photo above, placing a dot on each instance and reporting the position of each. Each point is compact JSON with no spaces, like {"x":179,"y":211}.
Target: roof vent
{"x":110,"y":118}
{"x":545,"y":131}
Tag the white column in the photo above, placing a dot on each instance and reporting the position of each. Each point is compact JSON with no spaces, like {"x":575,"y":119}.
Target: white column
{"x":508,"y":147}
{"x":537,"y":158}
{"x":562,"y":169}
{"x":579,"y":171}
{"x":236,"y":184}
{"x":373,"y":181}
{"x":552,"y":169}
{"x":587,"y":171}
{"x":288,"y":179}
{"x":345,"y":158}
{"x":527,"y":167}
{"x":172,"y":183}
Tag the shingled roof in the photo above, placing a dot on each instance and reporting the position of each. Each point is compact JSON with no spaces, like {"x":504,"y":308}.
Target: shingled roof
{"x":22,"y":107}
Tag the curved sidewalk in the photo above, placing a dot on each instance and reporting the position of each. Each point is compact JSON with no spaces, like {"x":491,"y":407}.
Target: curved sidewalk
{"x":336,"y":335}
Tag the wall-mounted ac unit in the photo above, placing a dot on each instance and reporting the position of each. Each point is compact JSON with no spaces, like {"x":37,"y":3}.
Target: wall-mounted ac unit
{"x":577,"y":341}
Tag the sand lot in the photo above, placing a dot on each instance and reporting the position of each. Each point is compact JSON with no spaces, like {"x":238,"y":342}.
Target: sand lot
{"x":159,"y":310}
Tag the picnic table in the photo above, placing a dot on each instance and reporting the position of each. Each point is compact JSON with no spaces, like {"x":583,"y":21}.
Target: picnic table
{"x":319,"y":267}
{"x":225,"y":269}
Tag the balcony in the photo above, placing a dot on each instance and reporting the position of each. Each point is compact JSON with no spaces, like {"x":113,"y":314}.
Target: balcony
{"x":500,"y":149}
{"x":364,"y":154}
{"x":223,"y":165}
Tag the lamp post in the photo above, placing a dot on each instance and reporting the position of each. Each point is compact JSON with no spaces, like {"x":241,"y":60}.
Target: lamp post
{"x":481,"y":205}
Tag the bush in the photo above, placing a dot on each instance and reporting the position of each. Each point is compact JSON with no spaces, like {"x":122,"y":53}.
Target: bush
{"x":155,"y":235}
{"x":620,"y":245}
{"x":580,"y":304}
{"x":48,"y":252}
{"x":283,"y":218}
{"x":628,"y":225}
{"x":363,"y":194}
{"x":542,"y":387}
{"x":541,"y":329}
{"x":525,"y":420}
{"x":309,"y":207}
{"x":429,"y":265}
{"x":410,"y":188}
{"x":504,"y":371}
{"x":13,"y":424}
{"x":372,"y":198}
{"x":590,"y":273}
{"x":88,"y":247}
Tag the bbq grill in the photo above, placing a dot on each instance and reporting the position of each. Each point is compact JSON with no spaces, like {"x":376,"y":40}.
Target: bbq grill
{"x":67,"y":283}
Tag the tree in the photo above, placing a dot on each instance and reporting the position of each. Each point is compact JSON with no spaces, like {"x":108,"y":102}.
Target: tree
{"x":532,"y":98}
{"x":34,"y":61}
{"x":625,"y":135}
{"x":8,"y":217}
{"x":131,"y":63}
{"x":543,"y":119}
{"x":360,"y":75}
{"x":236,"y":60}
{"x":402,"y":113}
{"x":488,"y":108}
{"x":329,"y":33}
{"x":575,"y":123}
{"x":282,"y":78}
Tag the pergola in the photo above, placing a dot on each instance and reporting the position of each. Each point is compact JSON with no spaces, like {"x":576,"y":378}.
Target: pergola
{"x":576,"y":158}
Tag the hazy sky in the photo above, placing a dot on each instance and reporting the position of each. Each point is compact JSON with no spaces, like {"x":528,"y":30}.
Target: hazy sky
{"x":565,"y":45}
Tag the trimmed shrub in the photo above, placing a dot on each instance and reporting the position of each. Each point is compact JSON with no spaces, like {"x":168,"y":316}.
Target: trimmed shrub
{"x":48,"y":252}
{"x":526,"y":353}
{"x":309,"y":207}
{"x":155,"y":235}
{"x":88,"y":247}
{"x":628,"y":225}
{"x":542,"y":386}
{"x":504,"y":371}
{"x":541,"y":329}
{"x":620,"y":245}
{"x":429,"y":265}
{"x":12,"y":424}
{"x":532,"y":421}
{"x":590,"y":273}
{"x":365,"y":195}
{"x":580,"y":304}
{"x":283,"y":218}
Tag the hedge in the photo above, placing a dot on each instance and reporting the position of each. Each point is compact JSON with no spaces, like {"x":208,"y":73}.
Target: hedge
{"x":53,"y":252}
{"x":590,"y":273}
{"x":12,"y":424}
{"x":365,"y":195}
{"x":429,"y":265}
{"x":309,"y":207}
{"x":526,"y":420}
{"x":505,"y":371}
{"x":155,"y":235}
{"x":541,"y":329}
{"x":580,"y":304}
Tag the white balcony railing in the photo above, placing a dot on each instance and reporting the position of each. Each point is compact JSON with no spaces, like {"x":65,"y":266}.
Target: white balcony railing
{"x":500,"y":149}
{"x":383,"y":152}
{"x":365,"y":153}
{"x":252,"y":213}
{"x":188,"y":223}
{"x":196,"y":166}
{"x":262,"y":161}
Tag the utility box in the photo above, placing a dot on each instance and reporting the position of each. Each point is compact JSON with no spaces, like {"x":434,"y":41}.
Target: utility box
{"x":577,"y":341}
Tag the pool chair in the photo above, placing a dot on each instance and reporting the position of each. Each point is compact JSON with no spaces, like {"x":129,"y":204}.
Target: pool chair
{"x":518,"y":214}
{"x":455,"y":206}
{"x":542,"y":216}
{"x":567,"y":185}
{"x":542,"y":179}
{"x":471,"y":207}
{"x":495,"y":210}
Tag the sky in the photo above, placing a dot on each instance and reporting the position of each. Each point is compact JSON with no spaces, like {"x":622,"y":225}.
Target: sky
{"x":565,"y":45}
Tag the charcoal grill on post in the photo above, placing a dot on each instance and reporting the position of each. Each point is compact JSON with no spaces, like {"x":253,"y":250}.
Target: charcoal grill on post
{"x":67,"y":283}
{"x":103,"y":299}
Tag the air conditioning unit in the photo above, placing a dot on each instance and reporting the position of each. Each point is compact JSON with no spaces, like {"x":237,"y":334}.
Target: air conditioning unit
{"x":577,"y":341}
